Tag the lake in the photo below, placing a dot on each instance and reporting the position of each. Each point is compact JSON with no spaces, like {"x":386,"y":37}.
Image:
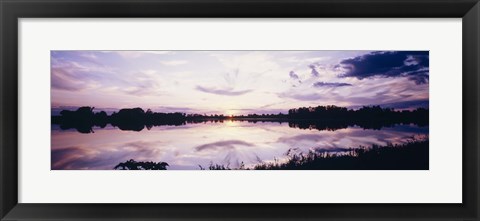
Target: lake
{"x":228,"y":142}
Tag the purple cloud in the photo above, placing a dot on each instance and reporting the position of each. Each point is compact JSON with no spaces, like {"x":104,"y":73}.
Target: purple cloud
{"x":293,"y":75}
{"x":303,"y":97}
{"x":407,"y":104}
{"x":78,"y":157}
{"x":62,"y":80}
{"x":314,"y":70}
{"x":74,"y":158}
{"x":227,"y":144}
{"x":330,"y":84}
{"x":226,"y":92}
{"x":411,"y":64}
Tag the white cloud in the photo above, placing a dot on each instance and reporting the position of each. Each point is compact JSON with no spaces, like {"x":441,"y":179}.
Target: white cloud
{"x":301,"y":60}
{"x":173,"y":62}
{"x":136,"y":54}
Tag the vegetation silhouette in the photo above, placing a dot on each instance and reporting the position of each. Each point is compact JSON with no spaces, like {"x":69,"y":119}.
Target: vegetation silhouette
{"x":134,"y":165}
{"x":133,"y":119}
{"x":412,"y":155}
{"x":213,"y":166}
{"x":83,"y":119}
{"x":409,"y":156}
{"x":320,"y":118}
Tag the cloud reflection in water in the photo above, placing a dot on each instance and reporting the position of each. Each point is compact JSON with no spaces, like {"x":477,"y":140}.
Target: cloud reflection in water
{"x":228,"y":143}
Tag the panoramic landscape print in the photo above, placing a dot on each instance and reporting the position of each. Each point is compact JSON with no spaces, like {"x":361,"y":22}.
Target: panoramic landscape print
{"x":239,"y":110}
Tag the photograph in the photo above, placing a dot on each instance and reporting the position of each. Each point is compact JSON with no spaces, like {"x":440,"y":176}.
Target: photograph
{"x":310,"y":110}
{"x":239,"y":110}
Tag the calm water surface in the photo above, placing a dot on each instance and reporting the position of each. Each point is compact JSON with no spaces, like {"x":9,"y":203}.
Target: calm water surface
{"x":228,"y":143}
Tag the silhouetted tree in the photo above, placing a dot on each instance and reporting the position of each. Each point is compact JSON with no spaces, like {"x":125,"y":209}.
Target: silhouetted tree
{"x":321,"y":118}
{"x":134,"y":165}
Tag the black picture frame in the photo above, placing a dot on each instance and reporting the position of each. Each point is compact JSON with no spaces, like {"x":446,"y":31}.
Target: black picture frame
{"x":12,"y":10}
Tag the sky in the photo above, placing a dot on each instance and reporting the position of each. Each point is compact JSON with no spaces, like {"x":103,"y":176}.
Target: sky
{"x":238,"y":82}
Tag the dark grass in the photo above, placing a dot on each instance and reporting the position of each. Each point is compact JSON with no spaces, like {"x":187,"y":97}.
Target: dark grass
{"x":413,"y":155}
{"x":134,"y":165}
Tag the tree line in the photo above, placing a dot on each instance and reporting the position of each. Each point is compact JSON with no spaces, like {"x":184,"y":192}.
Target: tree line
{"x":321,"y":117}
